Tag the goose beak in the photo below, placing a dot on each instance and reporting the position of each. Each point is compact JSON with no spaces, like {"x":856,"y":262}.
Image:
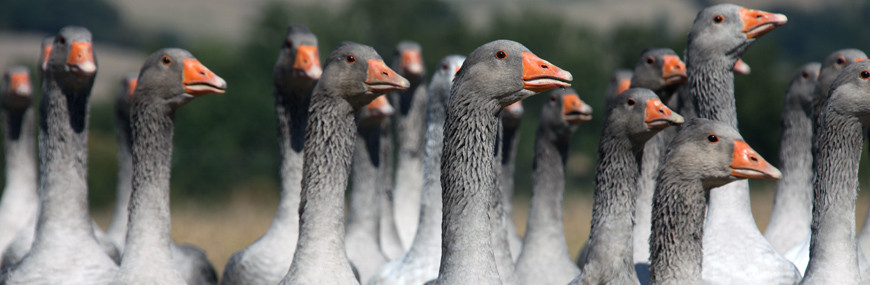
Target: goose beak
{"x":622,"y":85}
{"x":673,"y":70}
{"x":307,"y":63}
{"x":412,"y":62}
{"x":46,"y":52}
{"x":574,"y":110}
{"x":740,"y":67}
{"x":381,"y":79}
{"x":198,"y":80}
{"x":81,"y":59}
{"x":746,"y":163}
{"x":540,"y":75}
{"x":19,"y":84}
{"x":756,"y":23}
{"x":131,"y":87}
{"x":380,"y":107}
{"x":659,"y":116}
{"x":514,"y":110}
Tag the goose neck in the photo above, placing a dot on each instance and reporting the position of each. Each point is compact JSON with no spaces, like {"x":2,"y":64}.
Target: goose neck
{"x":676,"y":251}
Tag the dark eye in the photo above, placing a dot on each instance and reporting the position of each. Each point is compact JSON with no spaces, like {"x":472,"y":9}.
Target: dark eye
{"x":61,"y":40}
{"x":712,"y":138}
{"x":650,"y":60}
{"x":350,"y":59}
{"x":288,"y":43}
{"x":166,"y":60}
{"x":718,"y":19}
{"x":865,"y":74}
{"x":444,"y":67}
{"x":631,"y":102}
{"x":500,"y":54}
{"x":841,"y":60}
{"x":553,"y":98}
{"x":805,"y":74}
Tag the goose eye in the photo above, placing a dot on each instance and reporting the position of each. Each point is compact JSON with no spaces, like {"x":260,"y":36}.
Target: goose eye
{"x":350,"y":59}
{"x":500,"y":54}
{"x":288,"y":43}
{"x":713,"y":138}
{"x":61,"y":40}
{"x":841,"y":60}
{"x":444,"y":67}
{"x":166,"y":60}
{"x":865,"y":74}
{"x":805,"y":74}
{"x":650,"y":60}
{"x":718,"y":19}
{"x":631,"y":102}
{"x":553,"y":98}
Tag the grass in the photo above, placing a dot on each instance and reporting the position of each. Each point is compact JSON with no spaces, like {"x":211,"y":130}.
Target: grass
{"x":221,"y":230}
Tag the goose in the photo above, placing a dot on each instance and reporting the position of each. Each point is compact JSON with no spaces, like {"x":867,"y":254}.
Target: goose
{"x":619,"y":82}
{"x":169,"y":79}
{"x":353,"y":76}
{"x":420,"y":263}
{"x":662,"y":71}
{"x":510,"y":117}
{"x":296,"y":71}
{"x":64,"y":248}
{"x":792,"y":215}
{"x":361,"y":240}
{"x":19,"y":203}
{"x":493,"y":76}
{"x":703,"y":156}
{"x":839,"y":131}
{"x":189,"y":260}
{"x":799,"y":253}
{"x":117,"y":230}
{"x":734,"y":249}
{"x":388,"y":234}
{"x":633,"y":117}
{"x":544,"y":258}
{"x":410,"y":134}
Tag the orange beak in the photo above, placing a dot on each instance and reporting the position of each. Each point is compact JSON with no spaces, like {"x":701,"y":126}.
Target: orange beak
{"x":19,"y":84}
{"x":623,"y":85}
{"x":308,"y":62}
{"x":46,"y":52}
{"x":131,"y":87}
{"x":740,"y":67}
{"x":756,"y":23}
{"x":860,"y":59}
{"x":574,"y":110}
{"x":658,"y":116}
{"x":673,"y":70}
{"x":412,"y":62}
{"x":514,"y":110}
{"x":81,"y":59}
{"x":380,"y":107}
{"x":540,"y":75}
{"x":382,"y":79}
{"x":746,"y":163}
{"x":198,"y":80}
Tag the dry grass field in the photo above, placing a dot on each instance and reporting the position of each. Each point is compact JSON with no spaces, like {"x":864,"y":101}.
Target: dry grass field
{"x":222,"y":230}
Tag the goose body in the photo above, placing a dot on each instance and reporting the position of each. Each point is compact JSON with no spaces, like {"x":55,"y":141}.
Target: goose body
{"x":64,"y":249}
{"x":169,"y":79}
{"x":545,"y":258}
{"x":19,"y":203}
{"x":353,"y":76}
{"x":834,"y":254}
{"x":361,"y":241}
{"x":704,"y":155}
{"x":410,"y":120}
{"x":296,"y":71}
{"x":493,"y":76}
{"x":421,"y":262}
{"x":633,"y":117}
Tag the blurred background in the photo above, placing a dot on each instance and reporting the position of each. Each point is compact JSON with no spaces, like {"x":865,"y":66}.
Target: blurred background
{"x":225,"y":165}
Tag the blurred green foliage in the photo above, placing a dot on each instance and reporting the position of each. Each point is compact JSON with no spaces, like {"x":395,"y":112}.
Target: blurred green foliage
{"x":226,"y":143}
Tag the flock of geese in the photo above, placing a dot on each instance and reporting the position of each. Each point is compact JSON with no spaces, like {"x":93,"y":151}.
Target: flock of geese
{"x":671,"y":200}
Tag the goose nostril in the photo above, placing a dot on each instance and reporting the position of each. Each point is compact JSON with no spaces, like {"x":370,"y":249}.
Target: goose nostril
{"x":385,"y":74}
{"x":544,"y":66}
